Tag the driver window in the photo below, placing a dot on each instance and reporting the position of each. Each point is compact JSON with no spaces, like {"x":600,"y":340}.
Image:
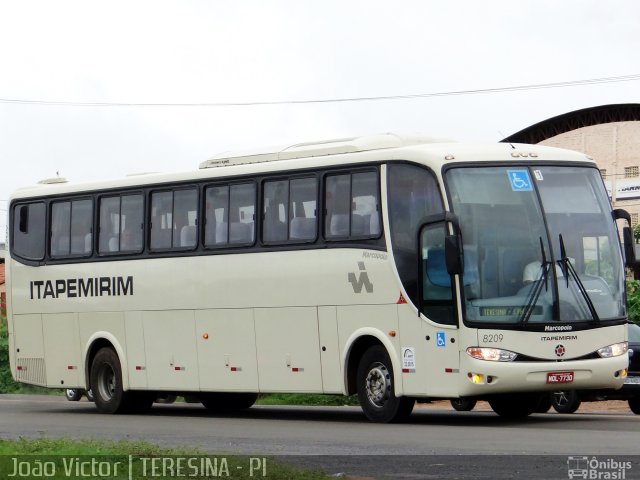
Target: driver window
{"x":437,"y":292}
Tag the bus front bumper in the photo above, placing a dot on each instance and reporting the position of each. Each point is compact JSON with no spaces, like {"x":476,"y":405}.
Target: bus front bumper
{"x":482,"y":377}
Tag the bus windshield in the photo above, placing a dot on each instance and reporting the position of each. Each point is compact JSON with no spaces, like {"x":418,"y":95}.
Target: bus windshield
{"x":539,"y":243}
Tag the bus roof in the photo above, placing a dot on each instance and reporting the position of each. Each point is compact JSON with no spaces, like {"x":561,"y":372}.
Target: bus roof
{"x":385,"y":147}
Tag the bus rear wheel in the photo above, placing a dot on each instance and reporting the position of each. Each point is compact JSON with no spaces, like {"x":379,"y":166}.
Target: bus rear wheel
{"x":515,"y":405}
{"x":376,"y":388}
{"x":463,"y":404}
{"x":106,"y":386}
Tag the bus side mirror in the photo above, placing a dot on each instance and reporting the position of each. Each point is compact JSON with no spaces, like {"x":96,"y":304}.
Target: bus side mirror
{"x":629,"y":248}
{"x":453,"y":255}
{"x":627,"y":237}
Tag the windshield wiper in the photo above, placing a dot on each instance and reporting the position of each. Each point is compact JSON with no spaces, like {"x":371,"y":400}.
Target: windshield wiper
{"x":536,"y":289}
{"x":569,"y":271}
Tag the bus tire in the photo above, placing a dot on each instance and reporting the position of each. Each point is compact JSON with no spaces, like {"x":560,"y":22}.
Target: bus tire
{"x":634,"y":405}
{"x":567,"y":401}
{"x":545,"y":403}
{"x":228,"y":401}
{"x":515,"y":405}
{"x":106,"y":382}
{"x":73,"y":394}
{"x":463,"y":404}
{"x":376,"y":389}
{"x":89,"y":394}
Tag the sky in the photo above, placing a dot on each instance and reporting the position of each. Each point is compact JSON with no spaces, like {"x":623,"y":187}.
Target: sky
{"x":109,"y":88}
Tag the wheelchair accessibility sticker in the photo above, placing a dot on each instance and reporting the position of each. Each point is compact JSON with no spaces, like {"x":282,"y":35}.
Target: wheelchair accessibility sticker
{"x":520,"y":180}
{"x":441,"y":340}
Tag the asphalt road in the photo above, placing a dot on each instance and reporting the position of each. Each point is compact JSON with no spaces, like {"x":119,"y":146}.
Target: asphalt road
{"x":436,"y":443}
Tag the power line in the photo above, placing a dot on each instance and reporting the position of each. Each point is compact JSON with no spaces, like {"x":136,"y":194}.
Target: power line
{"x":539,"y":86}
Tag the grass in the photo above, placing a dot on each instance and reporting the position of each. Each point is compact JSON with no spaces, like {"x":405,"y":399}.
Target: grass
{"x":307,"y":399}
{"x":63,"y":457}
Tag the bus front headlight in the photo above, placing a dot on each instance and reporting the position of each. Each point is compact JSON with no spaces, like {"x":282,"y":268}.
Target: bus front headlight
{"x":492,"y":354}
{"x":614,"y":350}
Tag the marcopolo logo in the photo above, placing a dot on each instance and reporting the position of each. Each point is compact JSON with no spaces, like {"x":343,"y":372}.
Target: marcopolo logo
{"x":558,"y":328}
{"x":361,"y":281}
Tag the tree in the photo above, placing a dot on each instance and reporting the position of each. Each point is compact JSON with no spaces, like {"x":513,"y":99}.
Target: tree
{"x":636,"y":233}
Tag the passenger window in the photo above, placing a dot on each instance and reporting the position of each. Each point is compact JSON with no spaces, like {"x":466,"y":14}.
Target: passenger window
{"x":185,"y":211}
{"x":216,"y":230}
{"x":242,"y":213}
{"x":275,"y":221}
{"x":302,"y":209}
{"x":290,"y":210}
{"x":337,"y":199}
{"x":352,"y":206}
{"x":161,"y":220}
{"x":365,"y":216}
{"x":60,"y":228}
{"x":230,"y":215}
{"x":29,"y":231}
{"x":121,"y":224}
{"x":71,"y":228}
{"x":132,"y":223}
{"x":174,"y":219}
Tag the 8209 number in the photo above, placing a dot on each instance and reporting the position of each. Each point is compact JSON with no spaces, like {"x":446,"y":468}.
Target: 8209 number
{"x":492,"y":337}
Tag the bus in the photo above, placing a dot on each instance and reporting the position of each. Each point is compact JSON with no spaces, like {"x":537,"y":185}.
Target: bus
{"x":397,"y":268}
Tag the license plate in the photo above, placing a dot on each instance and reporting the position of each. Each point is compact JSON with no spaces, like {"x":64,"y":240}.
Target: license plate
{"x":559,"y":377}
{"x":632,"y":381}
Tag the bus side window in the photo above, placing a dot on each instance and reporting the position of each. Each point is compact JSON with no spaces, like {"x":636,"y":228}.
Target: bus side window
{"x":242,"y":207}
{"x":303,"y":194}
{"x":161,"y":220}
{"x":437,"y":292}
{"x":216,"y":230}
{"x":337,"y":204}
{"x":275,"y":221}
{"x":60,"y":228}
{"x":108,"y":238}
{"x":185,"y":210}
{"x":352,"y":206}
{"x":131,"y":223}
{"x":412,"y":195}
{"x":29,"y":231}
{"x":81,"y":227}
{"x":365,"y":213}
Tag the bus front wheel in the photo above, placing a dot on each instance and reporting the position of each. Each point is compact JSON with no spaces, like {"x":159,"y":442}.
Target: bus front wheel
{"x":516,"y":405}
{"x":567,"y":401}
{"x":376,"y":389}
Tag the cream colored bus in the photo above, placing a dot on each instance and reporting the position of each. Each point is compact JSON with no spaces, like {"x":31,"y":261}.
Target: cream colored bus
{"x":397,"y":268}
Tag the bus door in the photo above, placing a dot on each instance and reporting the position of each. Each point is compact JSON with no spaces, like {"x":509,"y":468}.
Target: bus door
{"x":439,"y":261}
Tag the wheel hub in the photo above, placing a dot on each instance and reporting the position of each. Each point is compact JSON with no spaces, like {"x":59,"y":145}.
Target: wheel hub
{"x":378,"y":385}
{"x":107,"y":383}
